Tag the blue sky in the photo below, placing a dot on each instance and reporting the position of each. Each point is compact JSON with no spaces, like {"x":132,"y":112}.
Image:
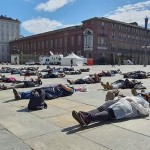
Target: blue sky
{"x":39,"y":16}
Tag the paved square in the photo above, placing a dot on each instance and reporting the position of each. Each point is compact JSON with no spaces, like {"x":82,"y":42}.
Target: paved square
{"x":55,"y":129}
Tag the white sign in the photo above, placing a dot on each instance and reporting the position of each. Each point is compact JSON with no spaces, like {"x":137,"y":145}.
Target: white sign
{"x":103,"y":48}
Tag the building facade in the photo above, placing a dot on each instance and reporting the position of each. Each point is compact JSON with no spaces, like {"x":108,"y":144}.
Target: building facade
{"x":102,"y":39}
{"x":9,"y":30}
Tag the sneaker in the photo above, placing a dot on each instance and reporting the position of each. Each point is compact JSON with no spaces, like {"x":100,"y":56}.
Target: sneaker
{"x":69,"y":81}
{"x":16,"y":94}
{"x":76,"y":116}
{"x":116,"y":92}
{"x":85,"y":118}
{"x":110,"y":96}
{"x":134,"y":92}
{"x":104,"y":86}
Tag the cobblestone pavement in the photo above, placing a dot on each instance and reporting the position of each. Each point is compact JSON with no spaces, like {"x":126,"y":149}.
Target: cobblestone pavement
{"x":55,"y":129}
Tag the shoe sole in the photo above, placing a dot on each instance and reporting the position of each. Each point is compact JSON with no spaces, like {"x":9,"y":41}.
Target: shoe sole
{"x":104,"y":86}
{"x":17,"y":97}
{"x":84,"y":123}
{"x":76,"y":116}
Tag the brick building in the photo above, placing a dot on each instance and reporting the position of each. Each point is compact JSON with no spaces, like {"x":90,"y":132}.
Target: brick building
{"x":102,"y":39}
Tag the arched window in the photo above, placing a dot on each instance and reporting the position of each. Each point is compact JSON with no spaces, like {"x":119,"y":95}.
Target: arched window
{"x":88,"y":39}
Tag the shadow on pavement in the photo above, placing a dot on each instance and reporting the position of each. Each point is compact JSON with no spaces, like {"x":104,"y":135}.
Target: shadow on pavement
{"x":11,"y":100}
{"x":77,"y":128}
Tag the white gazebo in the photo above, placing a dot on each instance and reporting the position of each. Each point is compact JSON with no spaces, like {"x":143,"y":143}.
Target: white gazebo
{"x":77,"y":61}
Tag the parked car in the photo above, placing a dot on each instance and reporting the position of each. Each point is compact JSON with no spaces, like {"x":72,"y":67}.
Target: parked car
{"x":30,"y":63}
{"x":127,"y":62}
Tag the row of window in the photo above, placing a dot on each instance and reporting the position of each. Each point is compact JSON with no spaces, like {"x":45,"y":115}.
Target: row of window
{"x":121,"y":27}
{"x":56,"y":43}
{"x":9,"y":26}
{"x":7,"y":38}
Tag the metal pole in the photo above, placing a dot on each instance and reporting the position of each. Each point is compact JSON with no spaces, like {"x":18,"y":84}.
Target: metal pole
{"x":145,"y":57}
{"x":145,"y":60}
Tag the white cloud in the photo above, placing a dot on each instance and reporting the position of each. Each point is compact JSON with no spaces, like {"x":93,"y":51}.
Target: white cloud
{"x":131,"y":13}
{"x":40,"y":25}
{"x":52,"y":5}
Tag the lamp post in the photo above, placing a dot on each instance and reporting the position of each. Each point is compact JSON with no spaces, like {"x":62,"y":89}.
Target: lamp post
{"x":145,"y":61}
{"x":119,"y":59}
{"x":34,"y":56}
{"x":21,"y":57}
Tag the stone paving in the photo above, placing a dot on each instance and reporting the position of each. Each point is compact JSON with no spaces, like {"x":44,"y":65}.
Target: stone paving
{"x":55,"y":129}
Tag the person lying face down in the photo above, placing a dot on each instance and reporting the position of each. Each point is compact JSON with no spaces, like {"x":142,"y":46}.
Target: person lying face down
{"x":89,"y":79}
{"x":51,"y":92}
{"x":123,"y":84}
{"x":113,"y":109}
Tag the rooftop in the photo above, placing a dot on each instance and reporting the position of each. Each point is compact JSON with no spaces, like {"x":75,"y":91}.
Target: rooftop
{"x":8,"y":18}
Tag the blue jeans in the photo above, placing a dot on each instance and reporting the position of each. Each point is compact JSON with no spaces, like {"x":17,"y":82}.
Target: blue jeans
{"x":25,"y":95}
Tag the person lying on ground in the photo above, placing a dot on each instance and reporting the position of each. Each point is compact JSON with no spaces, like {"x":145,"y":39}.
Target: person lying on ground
{"x":51,"y":92}
{"x":105,"y":74}
{"x":89,"y":79}
{"x":29,"y":73}
{"x":22,"y":84}
{"x":109,"y":73}
{"x":72,"y":72}
{"x":115,"y":109}
{"x":51,"y":74}
{"x":123,"y":84}
{"x":136,"y":75}
{"x":5,"y":79}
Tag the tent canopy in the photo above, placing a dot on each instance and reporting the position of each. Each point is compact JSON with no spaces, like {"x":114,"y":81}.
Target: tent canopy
{"x":72,"y":55}
{"x":77,"y":61}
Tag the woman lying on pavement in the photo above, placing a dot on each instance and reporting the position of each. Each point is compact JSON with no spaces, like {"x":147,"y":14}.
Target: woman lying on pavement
{"x":113,"y":109}
{"x":51,"y":92}
{"x":22,"y":84}
{"x":89,"y":79}
{"x":123,"y":84}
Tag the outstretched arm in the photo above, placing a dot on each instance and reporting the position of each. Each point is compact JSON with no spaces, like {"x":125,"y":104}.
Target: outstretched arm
{"x":66,"y":88}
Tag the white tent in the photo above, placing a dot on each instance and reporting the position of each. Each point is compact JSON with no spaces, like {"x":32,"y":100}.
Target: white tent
{"x":77,"y":61}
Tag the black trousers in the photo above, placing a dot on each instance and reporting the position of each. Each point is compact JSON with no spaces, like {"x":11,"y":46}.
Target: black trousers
{"x":103,"y":112}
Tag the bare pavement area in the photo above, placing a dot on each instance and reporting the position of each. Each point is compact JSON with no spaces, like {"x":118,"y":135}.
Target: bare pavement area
{"x":55,"y":129}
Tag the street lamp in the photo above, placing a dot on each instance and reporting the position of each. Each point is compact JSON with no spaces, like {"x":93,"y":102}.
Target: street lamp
{"x":146,"y":22}
{"x":119,"y":59}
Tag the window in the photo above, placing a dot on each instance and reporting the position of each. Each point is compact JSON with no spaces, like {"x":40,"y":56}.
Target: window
{"x":79,"y":40}
{"x":42,"y":44}
{"x":88,"y":38}
{"x":113,"y":25}
{"x":38,"y":45}
{"x":72,"y":41}
{"x":102,"y":23}
{"x":113,"y":34}
{"x":65,"y":41}
{"x":46,"y":43}
{"x":102,"y":41}
{"x":60,"y":42}
{"x":51,"y":43}
{"x":56,"y":43}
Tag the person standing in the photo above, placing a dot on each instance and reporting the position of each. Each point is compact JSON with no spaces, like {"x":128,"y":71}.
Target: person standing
{"x":71,"y":61}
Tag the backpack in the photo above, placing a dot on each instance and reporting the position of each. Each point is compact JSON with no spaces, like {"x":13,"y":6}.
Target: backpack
{"x":36,"y":101}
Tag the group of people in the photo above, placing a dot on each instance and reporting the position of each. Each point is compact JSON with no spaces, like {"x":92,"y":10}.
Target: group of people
{"x":14,"y":83}
{"x":116,"y":106}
